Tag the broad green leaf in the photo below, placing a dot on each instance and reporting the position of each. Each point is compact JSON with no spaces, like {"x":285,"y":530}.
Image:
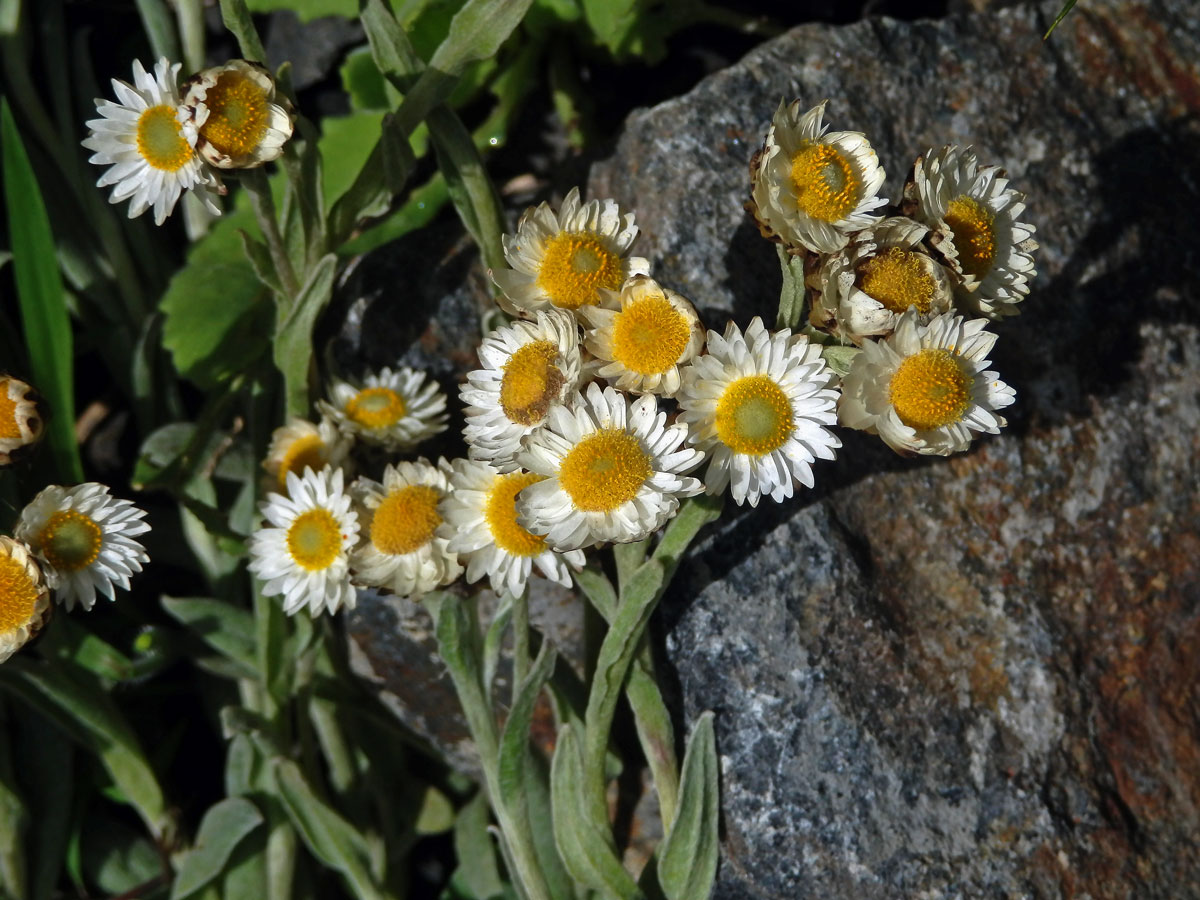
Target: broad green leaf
{"x":476,"y":33}
{"x":40,"y":296}
{"x":346,"y":143}
{"x":477,"y":874}
{"x":792,"y":292}
{"x":89,"y":716}
{"x":332,"y":839}
{"x":13,"y":821}
{"x":307,"y":10}
{"x":613,"y":22}
{"x":687,"y":857}
{"x":584,"y":844}
{"x":293,"y":335}
{"x":116,"y":858}
{"x":436,"y":815}
{"x":218,"y":314}
{"x":224,"y":825}
{"x":223,"y":626}
{"x":369,"y":91}
{"x":89,"y":651}
{"x":839,"y":358}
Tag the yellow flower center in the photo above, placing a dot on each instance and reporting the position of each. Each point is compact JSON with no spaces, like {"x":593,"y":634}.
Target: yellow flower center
{"x":649,"y":336}
{"x":604,"y":470}
{"x":500,"y":513}
{"x":754,"y":416}
{"x":530,"y":383}
{"x":238,"y":114}
{"x":406,"y":519}
{"x":931,"y":389}
{"x":306,"y":451}
{"x":18,"y":595}
{"x":826,"y":184}
{"x":315,"y":540}
{"x":160,"y":139}
{"x":575,"y":267}
{"x":376,"y":407}
{"x":9,"y":426}
{"x":974,"y":229}
{"x":69,"y":540}
{"x":898,"y":279}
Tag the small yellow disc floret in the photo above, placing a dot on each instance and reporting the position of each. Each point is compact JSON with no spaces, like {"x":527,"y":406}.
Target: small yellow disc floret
{"x":898,"y":279}
{"x":500,"y":512}
{"x":826,"y":185}
{"x":931,"y":389}
{"x":238,"y":114}
{"x":314,"y":540}
{"x":376,"y":407}
{"x":406,"y":519}
{"x":18,"y":595}
{"x":10,"y":428}
{"x":160,"y":140}
{"x":604,"y":470}
{"x":530,"y":383}
{"x":69,"y":540}
{"x":974,"y":229}
{"x":649,"y":336}
{"x":754,"y":416}
{"x":575,"y":267}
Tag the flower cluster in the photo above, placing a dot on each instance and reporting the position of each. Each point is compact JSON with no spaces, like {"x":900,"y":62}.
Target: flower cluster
{"x":74,"y":541}
{"x":591,"y":411}
{"x":911,"y":286}
{"x":159,"y":141}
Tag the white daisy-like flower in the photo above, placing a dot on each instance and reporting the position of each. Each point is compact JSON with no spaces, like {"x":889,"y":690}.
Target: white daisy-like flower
{"x":301,"y":445}
{"x":140,"y":138}
{"x":304,"y":554}
{"x":395,"y":410}
{"x":641,"y":344}
{"x":529,"y":368}
{"x":84,"y":537}
{"x":925,"y":388}
{"x":233,"y":117}
{"x":811,"y":189}
{"x":24,"y":597}
{"x":863,"y":289}
{"x":403,"y":551}
{"x":974,"y":216}
{"x":760,"y":405}
{"x":21,"y":422}
{"x":480,"y":522}
{"x":567,"y":259}
{"x":613,"y":471}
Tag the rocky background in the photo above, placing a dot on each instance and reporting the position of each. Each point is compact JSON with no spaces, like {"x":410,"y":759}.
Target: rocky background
{"x":966,"y":678}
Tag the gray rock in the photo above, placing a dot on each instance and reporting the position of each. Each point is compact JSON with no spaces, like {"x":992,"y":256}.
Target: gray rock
{"x":975,"y":677}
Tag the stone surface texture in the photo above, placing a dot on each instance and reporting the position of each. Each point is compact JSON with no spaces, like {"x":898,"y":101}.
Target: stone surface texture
{"x":972,"y":677}
{"x":936,"y":679}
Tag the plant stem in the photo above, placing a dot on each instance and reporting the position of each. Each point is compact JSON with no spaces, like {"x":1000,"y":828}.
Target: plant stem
{"x":264,"y":210}
{"x":520,"y":624}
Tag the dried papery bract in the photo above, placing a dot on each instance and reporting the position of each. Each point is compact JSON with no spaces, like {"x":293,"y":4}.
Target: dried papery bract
{"x":24,"y":597}
{"x":811,"y":189}
{"x":974,"y":217}
{"x":567,"y":259}
{"x":234,"y":116}
{"x":22,"y":423}
{"x":925,"y":388}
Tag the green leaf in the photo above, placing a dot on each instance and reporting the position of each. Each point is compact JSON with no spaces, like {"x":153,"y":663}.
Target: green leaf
{"x":332,"y":839}
{"x":476,"y":33}
{"x":224,"y":627}
{"x":477,"y":874}
{"x":471,"y":190}
{"x":13,"y":822}
{"x":612,"y":21}
{"x":598,"y":589}
{"x":436,"y":815}
{"x":307,"y":10}
{"x":586,"y":849}
{"x":221,"y":829}
{"x":1062,"y":14}
{"x":48,"y":784}
{"x":159,"y":24}
{"x":687,"y":857}
{"x":293,"y":336}
{"x":89,"y":716}
{"x":514,"y":740}
{"x":117,"y":859}
{"x":839,"y":358}
{"x":792,"y":294}
{"x":41,"y":297}
{"x":346,"y":143}
{"x":218,"y":314}
{"x":87,"y":650}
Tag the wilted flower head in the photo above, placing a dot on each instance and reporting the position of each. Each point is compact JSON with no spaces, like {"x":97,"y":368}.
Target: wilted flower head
{"x":234,"y":115}
{"x":24,"y":597}
{"x":21,"y":422}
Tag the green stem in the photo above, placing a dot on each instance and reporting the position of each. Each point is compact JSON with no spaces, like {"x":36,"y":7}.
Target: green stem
{"x":520,"y":623}
{"x":236,"y":16}
{"x":264,"y":210}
